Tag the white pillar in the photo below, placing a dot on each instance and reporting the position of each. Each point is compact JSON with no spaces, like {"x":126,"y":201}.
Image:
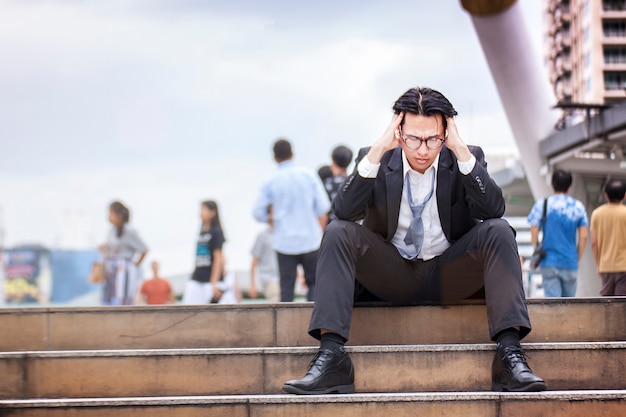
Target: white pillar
{"x":527,"y":99}
{"x":523,"y":87}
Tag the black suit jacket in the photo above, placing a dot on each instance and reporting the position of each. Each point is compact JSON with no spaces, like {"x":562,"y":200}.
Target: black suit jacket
{"x":463,"y":200}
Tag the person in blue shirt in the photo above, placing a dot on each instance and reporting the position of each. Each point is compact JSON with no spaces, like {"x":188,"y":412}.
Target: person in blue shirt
{"x":564,"y":237}
{"x":300,"y":206}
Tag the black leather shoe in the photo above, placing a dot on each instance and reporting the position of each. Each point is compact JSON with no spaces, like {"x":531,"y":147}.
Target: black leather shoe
{"x":510,"y":372}
{"x":330,"y":371}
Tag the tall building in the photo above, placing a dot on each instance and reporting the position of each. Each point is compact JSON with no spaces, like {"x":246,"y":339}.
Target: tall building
{"x":586,"y":50}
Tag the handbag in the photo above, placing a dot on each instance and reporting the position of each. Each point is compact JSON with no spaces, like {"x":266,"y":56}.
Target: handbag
{"x":97,"y":274}
{"x":539,"y":253}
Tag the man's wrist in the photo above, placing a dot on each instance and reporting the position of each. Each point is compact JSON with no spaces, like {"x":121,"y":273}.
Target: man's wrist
{"x":466,"y":167}
{"x":367,"y":169}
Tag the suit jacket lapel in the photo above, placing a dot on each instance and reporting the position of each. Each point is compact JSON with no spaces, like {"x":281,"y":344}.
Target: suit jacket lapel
{"x":395,"y":182}
{"x":444,"y":189}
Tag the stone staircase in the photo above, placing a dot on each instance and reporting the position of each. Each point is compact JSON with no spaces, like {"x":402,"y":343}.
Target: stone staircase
{"x":232,"y":360}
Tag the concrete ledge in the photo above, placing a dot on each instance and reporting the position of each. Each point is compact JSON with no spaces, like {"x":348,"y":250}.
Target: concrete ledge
{"x":404,"y":368}
{"x":285,"y":324}
{"x":470,"y":404}
{"x":317,"y":399}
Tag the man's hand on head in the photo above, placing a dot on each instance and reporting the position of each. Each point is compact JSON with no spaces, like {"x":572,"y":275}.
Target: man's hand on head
{"x":390,"y":139}
{"x":455,"y":143}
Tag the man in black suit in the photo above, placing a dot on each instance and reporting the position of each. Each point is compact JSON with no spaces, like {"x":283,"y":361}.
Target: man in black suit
{"x":431,"y":232}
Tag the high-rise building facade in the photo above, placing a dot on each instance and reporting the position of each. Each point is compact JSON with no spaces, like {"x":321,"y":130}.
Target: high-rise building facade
{"x":586,"y":50}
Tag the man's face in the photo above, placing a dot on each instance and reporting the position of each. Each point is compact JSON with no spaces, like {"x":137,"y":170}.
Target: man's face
{"x":422,"y":127}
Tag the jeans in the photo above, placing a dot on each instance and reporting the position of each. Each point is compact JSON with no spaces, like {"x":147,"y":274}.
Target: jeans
{"x":559,"y":282}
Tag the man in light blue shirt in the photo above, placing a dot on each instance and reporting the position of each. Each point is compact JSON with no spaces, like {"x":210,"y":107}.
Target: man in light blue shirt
{"x":300,"y":206}
{"x":566,"y":218}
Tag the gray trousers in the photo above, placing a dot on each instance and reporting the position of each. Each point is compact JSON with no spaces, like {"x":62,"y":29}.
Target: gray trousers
{"x":354,"y":261}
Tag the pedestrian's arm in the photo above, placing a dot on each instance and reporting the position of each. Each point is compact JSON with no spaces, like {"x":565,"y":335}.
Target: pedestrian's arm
{"x":323,"y":219}
{"x":594,"y":248}
{"x":583,"y":233}
{"x":138,"y":245}
{"x":216,"y":271}
{"x":260,"y":208}
{"x":141,"y":258}
{"x":172,"y":296}
{"x":322,"y":202}
{"x":252,"y":292}
{"x":534,"y":235}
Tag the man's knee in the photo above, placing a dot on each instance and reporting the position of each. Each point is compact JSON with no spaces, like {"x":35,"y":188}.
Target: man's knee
{"x":499,"y":228}
{"x":338,"y":230}
{"x":499,"y":224}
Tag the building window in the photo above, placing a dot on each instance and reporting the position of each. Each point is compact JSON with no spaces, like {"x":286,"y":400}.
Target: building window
{"x":614,"y":55}
{"x":614,"y":80}
{"x":588,"y":85}
{"x":613,"y":5}
{"x":613,"y":28}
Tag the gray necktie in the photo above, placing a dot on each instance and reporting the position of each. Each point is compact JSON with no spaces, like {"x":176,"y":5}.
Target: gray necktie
{"x":415,"y":234}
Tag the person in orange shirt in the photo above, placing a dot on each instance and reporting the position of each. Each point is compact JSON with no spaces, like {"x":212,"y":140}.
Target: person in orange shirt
{"x":156,"y":290}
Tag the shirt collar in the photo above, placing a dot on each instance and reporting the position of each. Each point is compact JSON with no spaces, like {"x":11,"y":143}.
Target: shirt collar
{"x":406,"y":167}
{"x":285,"y":163}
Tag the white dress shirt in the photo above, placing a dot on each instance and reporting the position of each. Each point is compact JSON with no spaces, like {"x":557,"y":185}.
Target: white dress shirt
{"x":435,"y":242}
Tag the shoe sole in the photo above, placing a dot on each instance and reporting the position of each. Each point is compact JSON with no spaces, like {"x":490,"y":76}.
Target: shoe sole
{"x":534,"y":387}
{"x":338,"y":389}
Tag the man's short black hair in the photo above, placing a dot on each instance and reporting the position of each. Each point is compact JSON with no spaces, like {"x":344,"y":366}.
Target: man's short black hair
{"x":615,"y":190}
{"x":324,"y":172}
{"x":561,"y":180}
{"x":425,"y":101}
{"x":282,"y":150}
{"x":342,"y":156}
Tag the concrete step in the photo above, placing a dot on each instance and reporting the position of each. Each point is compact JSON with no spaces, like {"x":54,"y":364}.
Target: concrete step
{"x":470,"y":404}
{"x":285,"y":324}
{"x":385,"y":368}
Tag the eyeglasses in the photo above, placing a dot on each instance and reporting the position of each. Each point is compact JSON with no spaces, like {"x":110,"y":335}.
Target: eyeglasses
{"x":415,"y":143}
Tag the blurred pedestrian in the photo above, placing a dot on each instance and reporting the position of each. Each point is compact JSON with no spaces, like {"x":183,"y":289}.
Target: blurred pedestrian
{"x":123,"y":253}
{"x":264,"y":264}
{"x":565,"y":230}
{"x":156,"y":290}
{"x":300,"y":208}
{"x":608,"y":239}
{"x":204,"y":285}
{"x":334,"y":175}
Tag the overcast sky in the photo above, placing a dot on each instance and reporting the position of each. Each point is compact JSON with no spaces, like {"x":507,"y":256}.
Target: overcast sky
{"x":163,"y":104}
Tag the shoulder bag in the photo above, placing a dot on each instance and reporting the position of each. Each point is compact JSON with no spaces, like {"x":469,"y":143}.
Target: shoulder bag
{"x":539,"y":253}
